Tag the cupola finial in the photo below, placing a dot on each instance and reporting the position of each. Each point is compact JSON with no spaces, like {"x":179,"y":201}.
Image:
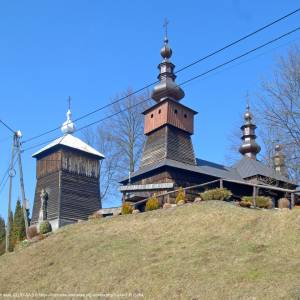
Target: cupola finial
{"x":279,"y":160}
{"x":166,"y":23}
{"x":166,"y":88}
{"x":249,"y":146}
{"x":68,"y":127}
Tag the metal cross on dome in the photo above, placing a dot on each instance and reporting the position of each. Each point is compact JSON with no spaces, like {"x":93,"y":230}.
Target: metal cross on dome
{"x":69,"y":102}
{"x":165,"y":25}
{"x":248,"y":100}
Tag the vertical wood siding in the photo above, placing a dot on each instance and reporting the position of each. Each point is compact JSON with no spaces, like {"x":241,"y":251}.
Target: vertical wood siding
{"x":80,"y":164}
{"x":48,"y":164}
{"x":79,"y":196}
{"x":172,"y":113}
{"x":168,"y":143}
{"x":51,"y":184}
{"x":71,"y":179}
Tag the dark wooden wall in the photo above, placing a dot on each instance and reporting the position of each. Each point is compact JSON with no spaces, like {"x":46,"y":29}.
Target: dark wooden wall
{"x":79,"y":196}
{"x":71,"y":179}
{"x":168,"y":142}
{"x":51,"y":184}
{"x":48,"y":164}
{"x":184,"y":178}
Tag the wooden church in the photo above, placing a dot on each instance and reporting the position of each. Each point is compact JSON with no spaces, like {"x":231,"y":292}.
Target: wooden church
{"x":168,"y":159}
{"x":67,"y":174}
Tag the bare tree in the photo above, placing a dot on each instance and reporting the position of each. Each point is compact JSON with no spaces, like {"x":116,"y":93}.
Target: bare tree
{"x":101,"y":140}
{"x":127,"y":129}
{"x":279,"y":111}
{"x":277,"y":114}
{"x":120,"y":138}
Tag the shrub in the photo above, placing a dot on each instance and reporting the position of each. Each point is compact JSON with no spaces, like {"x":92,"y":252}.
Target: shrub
{"x":45,"y":227}
{"x":245,"y":204}
{"x":216,"y":194}
{"x":24,"y":244}
{"x":32,"y":231}
{"x":127,"y":208}
{"x":261,"y":201}
{"x":152,"y":203}
{"x":283,"y":203}
{"x":180,"y":196}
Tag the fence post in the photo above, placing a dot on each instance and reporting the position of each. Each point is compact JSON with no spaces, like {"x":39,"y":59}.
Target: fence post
{"x":221,"y":183}
{"x":254,"y":196}
{"x":292,"y":200}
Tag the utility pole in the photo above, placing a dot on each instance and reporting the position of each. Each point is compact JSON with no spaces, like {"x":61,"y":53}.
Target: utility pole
{"x":18,"y":144}
{"x":11,"y":175}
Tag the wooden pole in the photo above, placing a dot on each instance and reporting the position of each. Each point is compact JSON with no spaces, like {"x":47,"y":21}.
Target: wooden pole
{"x":221,"y":183}
{"x":292,"y":200}
{"x":254,"y":196}
{"x":11,"y":175}
{"x":18,"y":136}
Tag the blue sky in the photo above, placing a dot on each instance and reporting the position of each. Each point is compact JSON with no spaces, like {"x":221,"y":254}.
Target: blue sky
{"x":92,"y":50}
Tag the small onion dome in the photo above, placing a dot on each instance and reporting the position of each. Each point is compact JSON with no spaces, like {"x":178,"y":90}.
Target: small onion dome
{"x":167,"y":88}
{"x":68,"y":126}
{"x":251,"y":148}
{"x":248,"y":115}
{"x":278,"y":148}
{"x":166,"y":51}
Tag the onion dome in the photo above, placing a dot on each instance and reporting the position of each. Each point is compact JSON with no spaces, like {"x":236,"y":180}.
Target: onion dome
{"x":166,"y":51}
{"x":279,"y":160}
{"x":68,"y":127}
{"x":249,"y":146}
{"x":167,"y":87}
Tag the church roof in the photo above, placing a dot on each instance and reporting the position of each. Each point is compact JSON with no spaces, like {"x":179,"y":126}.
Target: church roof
{"x":242,"y":170}
{"x":72,"y":142}
{"x":248,"y":167}
{"x":203,"y":167}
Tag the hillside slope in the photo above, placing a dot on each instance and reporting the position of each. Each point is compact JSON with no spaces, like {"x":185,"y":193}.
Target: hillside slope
{"x":211,"y":250}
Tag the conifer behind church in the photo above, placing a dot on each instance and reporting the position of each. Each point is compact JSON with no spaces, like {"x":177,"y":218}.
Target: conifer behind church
{"x":2,"y":235}
{"x":11,"y":223}
{"x":18,"y":230}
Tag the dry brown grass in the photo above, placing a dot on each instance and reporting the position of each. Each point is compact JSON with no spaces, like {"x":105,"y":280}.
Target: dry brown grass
{"x":211,"y":250}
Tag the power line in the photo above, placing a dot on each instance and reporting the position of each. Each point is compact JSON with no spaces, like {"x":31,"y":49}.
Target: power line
{"x":2,"y":189}
{"x":6,"y":177}
{"x":242,"y":55}
{"x":180,"y":70}
{"x":239,"y":40}
{"x":7,"y":126}
{"x":182,"y":83}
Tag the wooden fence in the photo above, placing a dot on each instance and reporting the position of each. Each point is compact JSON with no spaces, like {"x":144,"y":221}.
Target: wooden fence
{"x":221,"y":181}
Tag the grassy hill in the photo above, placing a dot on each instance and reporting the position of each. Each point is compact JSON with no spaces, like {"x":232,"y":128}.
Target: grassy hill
{"x":211,"y":250}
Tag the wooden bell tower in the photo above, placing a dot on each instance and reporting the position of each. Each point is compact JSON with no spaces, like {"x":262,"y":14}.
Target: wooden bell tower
{"x":68,"y":171}
{"x":168,"y":124}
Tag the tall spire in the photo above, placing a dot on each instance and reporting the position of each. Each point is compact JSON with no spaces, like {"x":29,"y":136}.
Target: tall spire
{"x":166,"y":88}
{"x":279,"y":160}
{"x":68,"y":127}
{"x":249,"y":146}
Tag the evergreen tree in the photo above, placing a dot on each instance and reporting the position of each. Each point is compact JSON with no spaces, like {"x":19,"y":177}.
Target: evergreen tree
{"x":11,"y":222}
{"x":2,"y":235}
{"x":19,"y":232}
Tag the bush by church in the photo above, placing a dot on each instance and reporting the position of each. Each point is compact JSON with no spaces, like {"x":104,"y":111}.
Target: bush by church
{"x":216,"y":194}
